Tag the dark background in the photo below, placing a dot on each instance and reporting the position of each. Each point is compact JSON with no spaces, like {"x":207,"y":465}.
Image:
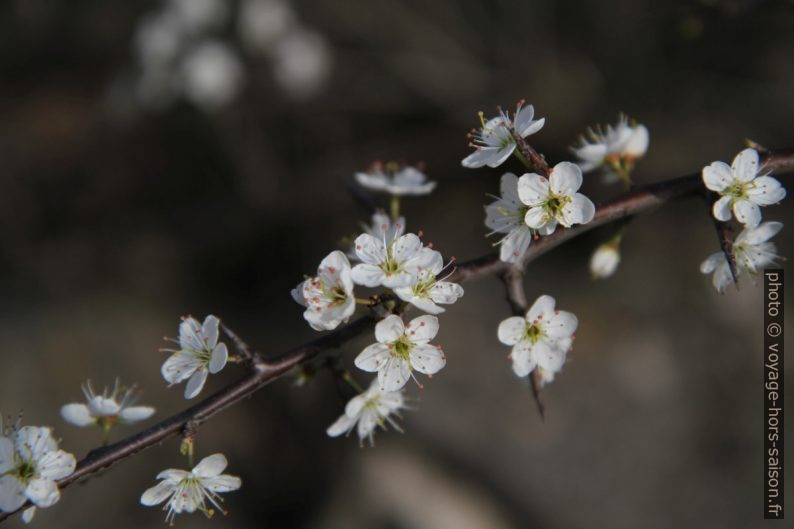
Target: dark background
{"x":119,"y":213}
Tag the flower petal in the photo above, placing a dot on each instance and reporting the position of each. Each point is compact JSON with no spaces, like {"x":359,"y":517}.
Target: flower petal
{"x":136,"y":413}
{"x":28,"y":514}
{"x":766,"y":191}
{"x":445,"y":292}
{"x":368,"y":275}
{"x":536,"y":218}
{"x":580,"y":210}
{"x":722,"y":209}
{"x":179,"y":367}
{"x":12,"y":493}
{"x":760,"y":234}
{"x":422,"y":329}
{"x":515,"y":244}
{"x":405,"y":247}
{"x":367,"y":423}
{"x":548,"y":355}
{"x":394,"y":376}
{"x":209,"y":331}
{"x":565,"y":178}
{"x":542,"y":309}
{"x":43,"y":492}
{"x":77,"y":414}
{"x":158,"y":494}
{"x":220,"y":354}
{"x":523,"y":359}
{"x":99,"y":406}
{"x":210,"y":466}
{"x":331,"y":268}
{"x":342,"y":425}
{"x":533,"y":189}
{"x":189,"y":334}
{"x":36,"y":440}
{"x":369,"y":249}
{"x":638,"y":144}
{"x":561,"y":325}
{"x":389,"y":329}
{"x":745,"y":165}
{"x":711,"y":262}
{"x":222,"y":483}
{"x":717,"y":176}
{"x":56,"y":465}
{"x":747,"y":213}
{"x":427,"y":359}
{"x":196,"y":383}
{"x":373,"y":357}
{"x":512,"y":330}
{"x":480,"y":157}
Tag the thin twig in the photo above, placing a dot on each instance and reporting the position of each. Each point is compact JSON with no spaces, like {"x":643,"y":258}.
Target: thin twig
{"x":513,"y":279}
{"x":638,"y":201}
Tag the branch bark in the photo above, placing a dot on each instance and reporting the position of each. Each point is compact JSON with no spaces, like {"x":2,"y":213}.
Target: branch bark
{"x":263,"y":370}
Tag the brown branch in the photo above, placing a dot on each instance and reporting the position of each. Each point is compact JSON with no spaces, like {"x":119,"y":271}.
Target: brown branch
{"x":528,"y":152}
{"x":513,"y":279}
{"x":263,"y":372}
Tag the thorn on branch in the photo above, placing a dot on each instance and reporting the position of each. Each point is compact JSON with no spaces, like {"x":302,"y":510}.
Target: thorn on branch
{"x":536,"y":380}
{"x":529,"y":153}
{"x":725,"y":237}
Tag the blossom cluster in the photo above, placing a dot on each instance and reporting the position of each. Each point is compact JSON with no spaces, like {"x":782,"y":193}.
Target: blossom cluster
{"x":384,"y":257}
{"x":531,"y":206}
{"x":741,"y":192}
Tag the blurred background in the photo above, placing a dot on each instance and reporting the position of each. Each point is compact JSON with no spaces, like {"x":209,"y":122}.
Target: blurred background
{"x":194,"y":156}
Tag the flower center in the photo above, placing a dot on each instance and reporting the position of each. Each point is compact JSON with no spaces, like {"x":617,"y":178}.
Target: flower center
{"x":422,"y":287}
{"x":736,"y":190}
{"x":555,"y":203}
{"x":390,"y":265}
{"x":402,"y":347}
{"x":25,"y":471}
{"x":533,"y":333}
{"x":336,"y":295}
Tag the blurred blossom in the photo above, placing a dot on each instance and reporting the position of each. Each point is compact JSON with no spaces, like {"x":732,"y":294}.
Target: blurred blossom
{"x":302,"y":63}
{"x":605,"y":260}
{"x":198,"y":16}
{"x":212,"y":74}
{"x":158,"y":39}
{"x":263,"y":22}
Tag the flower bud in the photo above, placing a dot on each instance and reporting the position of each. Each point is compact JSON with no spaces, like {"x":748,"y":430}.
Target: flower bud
{"x":605,"y":260}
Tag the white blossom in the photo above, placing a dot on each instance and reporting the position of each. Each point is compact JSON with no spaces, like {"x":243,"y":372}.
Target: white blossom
{"x":605,"y":260}
{"x":740,"y":188}
{"x":617,"y":146}
{"x":199,"y":354}
{"x":328,"y":297}
{"x":493,"y":143}
{"x":541,"y":339}
{"x":384,"y":228}
{"x":428,"y":290}
{"x":752,"y":251}
{"x":392,"y":264}
{"x":262,"y":22}
{"x":199,"y":16}
{"x":302,"y":62}
{"x":212,"y":74}
{"x":554,"y":200}
{"x":395,"y":179}
{"x":107,"y":409}
{"x":30,"y":465}
{"x":506,"y":216}
{"x":188,"y":492}
{"x":401,"y":349}
{"x":368,"y":410}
